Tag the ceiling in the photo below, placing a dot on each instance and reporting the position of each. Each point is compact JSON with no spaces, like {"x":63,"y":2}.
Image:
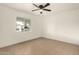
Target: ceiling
{"x":55,"y":7}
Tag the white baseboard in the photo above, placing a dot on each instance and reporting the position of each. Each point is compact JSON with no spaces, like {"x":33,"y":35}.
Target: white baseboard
{"x":16,"y":42}
{"x":62,"y":38}
{"x":59,"y":38}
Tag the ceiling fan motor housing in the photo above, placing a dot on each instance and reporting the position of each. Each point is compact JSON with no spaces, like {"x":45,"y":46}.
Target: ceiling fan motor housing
{"x":41,"y":6}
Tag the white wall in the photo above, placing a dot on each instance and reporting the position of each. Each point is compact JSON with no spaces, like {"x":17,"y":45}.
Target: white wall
{"x":62,"y":26}
{"x":8,"y":34}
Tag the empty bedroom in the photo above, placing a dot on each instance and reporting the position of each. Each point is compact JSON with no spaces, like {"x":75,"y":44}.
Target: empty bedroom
{"x":39,"y":28}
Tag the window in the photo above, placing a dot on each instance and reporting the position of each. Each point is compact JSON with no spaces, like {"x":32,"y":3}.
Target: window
{"x":22,"y":24}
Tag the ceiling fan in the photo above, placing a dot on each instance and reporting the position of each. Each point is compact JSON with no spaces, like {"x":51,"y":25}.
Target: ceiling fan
{"x":42,"y":7}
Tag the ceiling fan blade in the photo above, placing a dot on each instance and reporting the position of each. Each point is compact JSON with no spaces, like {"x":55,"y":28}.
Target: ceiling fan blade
{"x":47,"y":4}
{"x":47,"y":9}
{"x":35,"y":9}
{"x":35,"y":5}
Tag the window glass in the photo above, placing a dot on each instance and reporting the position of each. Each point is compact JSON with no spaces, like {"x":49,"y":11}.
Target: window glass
{"x":22,"y":24}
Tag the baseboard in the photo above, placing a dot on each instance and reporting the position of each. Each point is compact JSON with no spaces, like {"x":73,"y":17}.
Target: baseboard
{"x":14,"y":43}
{"x":62,"y":38}
{"x":54,"y":37}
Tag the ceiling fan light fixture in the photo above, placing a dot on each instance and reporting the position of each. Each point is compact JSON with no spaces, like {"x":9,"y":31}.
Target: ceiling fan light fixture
{"x":41,"y":12}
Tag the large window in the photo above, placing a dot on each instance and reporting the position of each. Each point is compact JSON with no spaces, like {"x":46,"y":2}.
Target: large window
{"x":22,"y":24}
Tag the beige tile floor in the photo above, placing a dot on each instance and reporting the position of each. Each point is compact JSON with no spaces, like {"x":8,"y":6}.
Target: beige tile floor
{"x":41,"y":46}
